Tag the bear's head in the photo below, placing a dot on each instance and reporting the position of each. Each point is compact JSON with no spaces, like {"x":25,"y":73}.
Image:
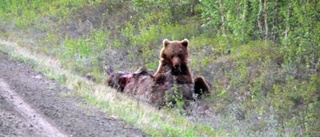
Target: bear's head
{"x":175,"y":53}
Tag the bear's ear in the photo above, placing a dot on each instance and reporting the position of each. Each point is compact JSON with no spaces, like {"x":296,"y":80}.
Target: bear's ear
{"x":165,"y":42}
{"x":185,"y":42}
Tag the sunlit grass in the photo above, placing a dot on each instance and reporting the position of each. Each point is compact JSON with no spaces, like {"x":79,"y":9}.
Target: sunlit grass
{"x":25,"y":12}
{"x":242,"y":74}
{"x":151,"y":120}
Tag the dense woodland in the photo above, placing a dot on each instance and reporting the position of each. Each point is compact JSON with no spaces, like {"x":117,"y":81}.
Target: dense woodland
{"x":261,"y":57}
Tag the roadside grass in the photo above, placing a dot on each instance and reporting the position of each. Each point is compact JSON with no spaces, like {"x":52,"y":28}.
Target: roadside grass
{"x":154,"y":122}
{"x":25,"y":12}
{"x":256,"y":79}
{"x":80,"y":55}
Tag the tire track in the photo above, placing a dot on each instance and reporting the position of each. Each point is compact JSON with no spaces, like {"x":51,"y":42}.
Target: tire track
{"x":44,"y":112}
{"x":44,"y":127}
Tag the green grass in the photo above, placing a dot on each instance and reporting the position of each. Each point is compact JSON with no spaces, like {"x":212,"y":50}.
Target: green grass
{"x":264,"y":78}
{"x":154,"y":122}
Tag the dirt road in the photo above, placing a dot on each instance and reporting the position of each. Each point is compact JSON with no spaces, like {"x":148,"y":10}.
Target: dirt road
{"x":33,"y":106}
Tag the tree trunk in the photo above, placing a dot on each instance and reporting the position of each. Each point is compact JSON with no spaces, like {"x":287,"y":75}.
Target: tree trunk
{"x":258,"y":17}
{"x":266,"y":19}
{"x":275,"y":25}
{"x":222,"y":17}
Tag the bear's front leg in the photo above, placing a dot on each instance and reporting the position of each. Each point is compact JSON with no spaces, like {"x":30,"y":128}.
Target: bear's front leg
{"x":158,"y":76}
{"x":160,"y":68}
{"x":201,"y":86}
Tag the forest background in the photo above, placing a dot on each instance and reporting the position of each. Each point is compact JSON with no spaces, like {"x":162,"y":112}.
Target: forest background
{"x":261,"y":57}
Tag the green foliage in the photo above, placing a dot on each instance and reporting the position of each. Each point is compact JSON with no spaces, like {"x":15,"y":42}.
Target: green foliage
{"x":82,"y":54}
{"x":257,"y":51}
{"x":229,"y":18}
{"x":300,"y":105}
{"x":260,"y":56}
{"x":174,"y":98}
{"x":26,"y":13}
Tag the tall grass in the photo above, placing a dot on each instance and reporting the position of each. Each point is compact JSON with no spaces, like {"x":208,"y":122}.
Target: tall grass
{"x":152,"y":121}
{"x":259,"y":81}
{"x":25,"y":12}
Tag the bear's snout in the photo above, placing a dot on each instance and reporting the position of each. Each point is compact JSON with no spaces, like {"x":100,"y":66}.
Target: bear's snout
{"x":176,"y":62}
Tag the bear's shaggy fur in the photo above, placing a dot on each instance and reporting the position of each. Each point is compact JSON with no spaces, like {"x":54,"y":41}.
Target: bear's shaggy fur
{"x":172,"y":79}
{"x":201,"y":86}
{"x":142,"y":86}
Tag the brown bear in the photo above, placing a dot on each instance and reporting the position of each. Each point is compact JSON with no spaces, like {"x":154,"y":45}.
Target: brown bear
{"x":173,"y":57}
{"x":142,"y":86}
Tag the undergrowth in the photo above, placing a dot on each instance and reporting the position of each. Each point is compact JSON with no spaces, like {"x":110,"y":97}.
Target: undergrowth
{"x":144,"y":116}
{"x":264,"y":74}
